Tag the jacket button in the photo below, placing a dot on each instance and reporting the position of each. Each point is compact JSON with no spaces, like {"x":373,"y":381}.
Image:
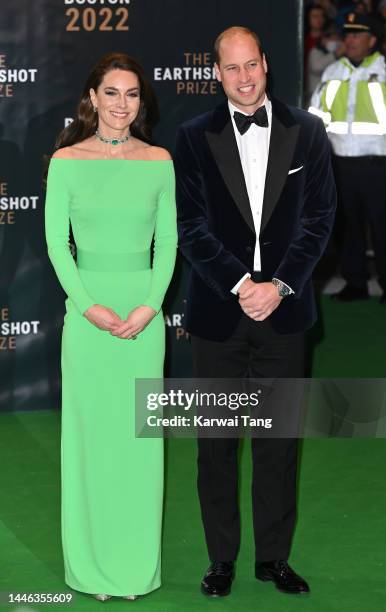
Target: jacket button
{"x":248,"y":249}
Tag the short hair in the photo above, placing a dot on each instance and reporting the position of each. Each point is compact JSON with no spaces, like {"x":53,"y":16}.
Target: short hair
{"x":230,"y":32}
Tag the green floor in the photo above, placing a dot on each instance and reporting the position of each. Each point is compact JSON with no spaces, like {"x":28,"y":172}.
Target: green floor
{"x":350,"y":340}
{"x":340,"y":540}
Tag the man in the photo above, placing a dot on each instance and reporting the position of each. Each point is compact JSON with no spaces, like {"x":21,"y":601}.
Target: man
{"x":351,"y":101}
{"x":256,"y":201}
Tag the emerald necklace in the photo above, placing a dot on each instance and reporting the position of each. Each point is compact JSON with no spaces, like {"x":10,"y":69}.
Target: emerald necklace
{"x":112,"y":141}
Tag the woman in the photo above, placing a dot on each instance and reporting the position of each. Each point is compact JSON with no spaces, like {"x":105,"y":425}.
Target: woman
{"x":315,"y":20}
{"x":118,"y":192}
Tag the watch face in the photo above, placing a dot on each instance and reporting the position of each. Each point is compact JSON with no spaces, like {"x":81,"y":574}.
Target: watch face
{"x":283,"y":290}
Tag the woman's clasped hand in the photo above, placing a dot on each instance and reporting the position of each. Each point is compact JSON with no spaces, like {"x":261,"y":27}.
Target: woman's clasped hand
{"x":108,"y":320}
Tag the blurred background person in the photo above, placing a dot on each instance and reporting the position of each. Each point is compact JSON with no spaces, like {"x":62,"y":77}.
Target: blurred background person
{"x":315,"y":20}
{"x":351,"y":100}
{"x":329,"y":7}
{"x":382,"y":11}
{"x":326,"y":51}
{"x":381,"y":14}
{"x":350,"y":6}
{"x":363,"y":8}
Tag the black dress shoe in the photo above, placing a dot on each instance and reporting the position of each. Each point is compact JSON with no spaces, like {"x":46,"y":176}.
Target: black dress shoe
{"x":350,"y":293}
{"x":283,"y":576}
{"x":218,"y":579}
{"x":382,"y":299}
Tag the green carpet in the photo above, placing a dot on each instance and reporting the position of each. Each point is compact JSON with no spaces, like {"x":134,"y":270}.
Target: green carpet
{"x":340,"y":538}
{"x":351,"y":340}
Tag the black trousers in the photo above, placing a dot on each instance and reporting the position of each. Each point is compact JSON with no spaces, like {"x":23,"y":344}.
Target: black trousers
{"x":254,"y":350}
{"x":361,"y":185}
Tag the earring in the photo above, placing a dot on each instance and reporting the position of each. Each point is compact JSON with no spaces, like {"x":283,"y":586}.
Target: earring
{"x":95,"y":109}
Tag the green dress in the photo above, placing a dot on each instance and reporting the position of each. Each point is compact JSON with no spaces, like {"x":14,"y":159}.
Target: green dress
{"x":112,"y":482}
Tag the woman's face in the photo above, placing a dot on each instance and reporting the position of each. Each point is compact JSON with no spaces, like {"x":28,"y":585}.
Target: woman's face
{"x":316,"y":19}
{"x":117,"y":100}
{"x":361,"y":8}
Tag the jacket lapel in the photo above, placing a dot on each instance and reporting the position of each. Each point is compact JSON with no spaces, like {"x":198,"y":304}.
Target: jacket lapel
{"x":284,"y":135}
{"x":223,"y":145}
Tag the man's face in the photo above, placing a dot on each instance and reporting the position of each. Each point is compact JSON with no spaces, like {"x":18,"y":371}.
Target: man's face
{"x":242,"y":71}
{"x":358,"y":45}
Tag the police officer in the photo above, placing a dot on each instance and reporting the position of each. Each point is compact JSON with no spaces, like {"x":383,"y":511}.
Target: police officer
{"x":351,"y":101}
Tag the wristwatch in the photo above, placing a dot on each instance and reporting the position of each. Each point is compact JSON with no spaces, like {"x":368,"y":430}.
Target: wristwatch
{"x":282,"y":288}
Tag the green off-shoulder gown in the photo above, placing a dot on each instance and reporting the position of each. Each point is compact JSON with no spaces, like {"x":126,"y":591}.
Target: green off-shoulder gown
{"x":112,"y":482}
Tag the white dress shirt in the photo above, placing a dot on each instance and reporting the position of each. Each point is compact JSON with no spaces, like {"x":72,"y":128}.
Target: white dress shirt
{"x":253,"y":149}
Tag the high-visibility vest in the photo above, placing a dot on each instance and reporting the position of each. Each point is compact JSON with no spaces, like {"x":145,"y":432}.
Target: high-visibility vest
{"x":352,"y":101}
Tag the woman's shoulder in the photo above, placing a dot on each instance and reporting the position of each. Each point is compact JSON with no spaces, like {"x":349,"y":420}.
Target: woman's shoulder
{"x":157,"y":153}
{"x":75,"y":151}
{"x":63,"y":153}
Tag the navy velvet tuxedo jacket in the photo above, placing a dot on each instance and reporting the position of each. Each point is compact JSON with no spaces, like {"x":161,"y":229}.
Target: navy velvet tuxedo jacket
{"x":216,"y":231}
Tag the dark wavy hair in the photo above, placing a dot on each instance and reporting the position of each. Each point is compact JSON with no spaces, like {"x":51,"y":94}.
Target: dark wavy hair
{"x":86,"y":120}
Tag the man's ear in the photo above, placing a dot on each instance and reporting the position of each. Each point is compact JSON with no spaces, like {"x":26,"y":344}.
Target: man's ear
{"x":373,"y":41}
{"x":217,"y":71}
{"x":265,"y":65}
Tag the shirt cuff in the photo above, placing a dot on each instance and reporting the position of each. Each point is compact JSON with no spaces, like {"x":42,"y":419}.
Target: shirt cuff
{"x":285,"y":284}
{"x":238,"y":285}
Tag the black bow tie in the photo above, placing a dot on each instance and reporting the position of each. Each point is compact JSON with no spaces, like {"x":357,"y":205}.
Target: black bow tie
{"x":244,"y":122}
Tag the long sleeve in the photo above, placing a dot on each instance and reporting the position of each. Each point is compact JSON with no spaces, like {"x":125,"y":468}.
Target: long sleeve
{"x":57,"y":225}
{"x":217,"y":266}
{"x":317,"y":216}
{"x":165,"y":242}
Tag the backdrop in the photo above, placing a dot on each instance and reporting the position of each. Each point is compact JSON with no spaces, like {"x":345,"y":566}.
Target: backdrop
{"x":47,"y":48}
